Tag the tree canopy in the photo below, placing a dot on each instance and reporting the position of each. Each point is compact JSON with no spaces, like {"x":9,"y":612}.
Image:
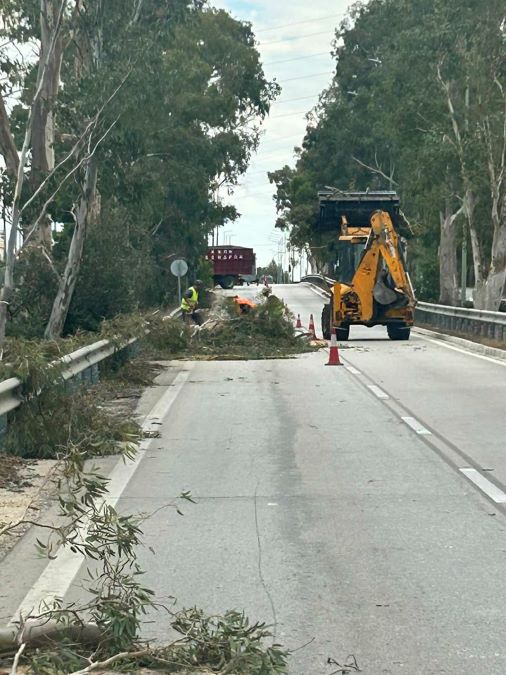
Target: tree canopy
{"x":417,"y":104}
{"x":130,"y":117}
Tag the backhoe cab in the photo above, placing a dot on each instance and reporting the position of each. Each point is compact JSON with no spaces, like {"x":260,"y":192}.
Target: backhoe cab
{"x":373,"y":287}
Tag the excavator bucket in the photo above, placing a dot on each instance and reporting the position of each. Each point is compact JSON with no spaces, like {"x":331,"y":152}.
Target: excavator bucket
{"x":357,"y":209}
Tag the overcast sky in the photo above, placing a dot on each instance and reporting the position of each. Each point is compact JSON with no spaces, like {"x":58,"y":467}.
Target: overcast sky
{"x":295,"y":39}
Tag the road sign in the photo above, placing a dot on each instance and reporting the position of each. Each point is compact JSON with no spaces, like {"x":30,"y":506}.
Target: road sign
{"x":179,"y":267}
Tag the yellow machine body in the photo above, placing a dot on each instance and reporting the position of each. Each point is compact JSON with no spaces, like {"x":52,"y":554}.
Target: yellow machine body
{"x":380,"y":291}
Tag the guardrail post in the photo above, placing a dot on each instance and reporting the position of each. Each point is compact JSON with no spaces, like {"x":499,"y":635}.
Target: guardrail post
{"x":3,"y":425}
{"x":95,"y":373}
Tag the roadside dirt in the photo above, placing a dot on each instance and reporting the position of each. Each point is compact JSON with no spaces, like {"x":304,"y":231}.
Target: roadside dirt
{"x":24,"y":487}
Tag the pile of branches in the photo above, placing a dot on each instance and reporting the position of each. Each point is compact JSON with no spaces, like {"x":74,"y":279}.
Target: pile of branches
{"x":264,"y":332}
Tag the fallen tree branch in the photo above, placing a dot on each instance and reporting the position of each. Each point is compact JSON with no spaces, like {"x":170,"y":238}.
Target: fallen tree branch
{"x":96,"y":665}
{"x":15,"y":663}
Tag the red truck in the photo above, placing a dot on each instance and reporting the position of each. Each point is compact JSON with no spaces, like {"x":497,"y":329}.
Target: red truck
{"x":232,"y":265}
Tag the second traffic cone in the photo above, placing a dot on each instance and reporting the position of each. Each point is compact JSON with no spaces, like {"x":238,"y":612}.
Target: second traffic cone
{"x":311,"y":329}
{"x":299,"y":322}
{"x":334,"y":351}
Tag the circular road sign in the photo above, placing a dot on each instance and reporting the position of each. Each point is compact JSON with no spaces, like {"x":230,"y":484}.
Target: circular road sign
{"x":179,"y":267}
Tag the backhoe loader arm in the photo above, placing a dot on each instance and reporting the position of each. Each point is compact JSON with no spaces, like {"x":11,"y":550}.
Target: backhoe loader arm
{"x":389,"y":246}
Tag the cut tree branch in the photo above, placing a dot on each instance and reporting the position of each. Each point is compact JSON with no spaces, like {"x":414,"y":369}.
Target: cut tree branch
{"x":376,"y":170}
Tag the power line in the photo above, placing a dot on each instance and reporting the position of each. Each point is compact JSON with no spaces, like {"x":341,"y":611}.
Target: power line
{"x":299,"y":23}
{"x":304,"y":77}
{"x":297,"y":58}
{"x":300,"y":98}
{"x":283,"y":138}
{"x":294,"y":37}
{"x":300,"y":112}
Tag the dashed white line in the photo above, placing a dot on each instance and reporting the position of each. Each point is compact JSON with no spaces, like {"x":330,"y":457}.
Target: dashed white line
{"x":416,"y":426}
{"x":353,"y":370}
{"x":492,"y":491}
{"x":377,"y":391}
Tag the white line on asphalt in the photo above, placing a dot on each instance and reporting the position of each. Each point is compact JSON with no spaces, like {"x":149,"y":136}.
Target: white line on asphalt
{"x":59,"y":573}
{"x":416,"y":426}
{"x":468,"y":352}
{"x":353,"y":370}
{"x":317,"y":291}
{"x":377,"y":391}
{"x":497,"y":495}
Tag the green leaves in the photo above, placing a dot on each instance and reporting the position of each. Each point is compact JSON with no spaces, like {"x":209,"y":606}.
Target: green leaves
{"x":385,"y":122}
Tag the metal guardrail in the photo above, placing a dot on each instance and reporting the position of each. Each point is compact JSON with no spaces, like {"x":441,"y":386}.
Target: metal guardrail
{"x":81,"y":366}
{"x":319,"y":280}
{"x":472,"y":322}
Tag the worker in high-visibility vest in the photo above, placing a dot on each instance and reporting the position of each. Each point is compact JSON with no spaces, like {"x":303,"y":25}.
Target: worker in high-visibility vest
{"x":190,"y":301}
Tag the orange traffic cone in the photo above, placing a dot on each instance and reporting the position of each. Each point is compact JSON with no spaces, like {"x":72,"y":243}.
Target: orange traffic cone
{"x":311,"y":329}
{"x":334,"y":351}
{"x":299,"y":322}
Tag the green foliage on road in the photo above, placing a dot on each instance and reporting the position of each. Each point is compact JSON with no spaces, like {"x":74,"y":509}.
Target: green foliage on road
{"x":417,"y":104}
{"x":104,"y":630}
{"x":265,"y":332}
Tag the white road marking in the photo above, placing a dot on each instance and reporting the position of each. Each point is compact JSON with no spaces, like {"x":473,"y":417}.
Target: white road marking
{"x":353,"y":370}
{"x":377,"y":391}
{"x":272,"y":504}
{"x":58,"y":575}
{"x":491,"y":490}
{"x":416,"y":426}
{"x":468,"y":352}
{"x":318,"y":291}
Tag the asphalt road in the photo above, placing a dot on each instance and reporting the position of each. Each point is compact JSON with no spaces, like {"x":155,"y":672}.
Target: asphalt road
{"x":337,"y":504}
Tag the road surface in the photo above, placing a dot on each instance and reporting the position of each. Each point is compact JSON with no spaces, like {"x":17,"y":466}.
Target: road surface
{"x":359,"y":510}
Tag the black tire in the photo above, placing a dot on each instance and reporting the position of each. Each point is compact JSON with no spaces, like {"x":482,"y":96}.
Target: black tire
{"x":398,"y":332}
{"x":326,"y":322}
{"x":227,"y":282}
{"x":343,"y":334}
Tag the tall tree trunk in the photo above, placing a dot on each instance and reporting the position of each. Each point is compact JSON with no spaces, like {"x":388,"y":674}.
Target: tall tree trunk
{"x":476,"y":247}
{"x":43,"y":129}
{"x":448,"y":284}
{"x":496,"y":161}
{"x":496,"y":279}
{"x":11,"y":245}
{"x":86,"y":213}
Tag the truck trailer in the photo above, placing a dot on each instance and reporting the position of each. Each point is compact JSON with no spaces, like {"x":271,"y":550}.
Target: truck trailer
{"x":232,"y":265}
{"x":372,"y":286}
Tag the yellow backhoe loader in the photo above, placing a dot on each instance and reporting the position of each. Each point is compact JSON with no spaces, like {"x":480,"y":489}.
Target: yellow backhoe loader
{"x":372,"y":285}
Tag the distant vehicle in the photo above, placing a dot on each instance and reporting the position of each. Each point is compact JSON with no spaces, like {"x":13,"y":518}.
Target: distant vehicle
{"x":232,"y":265}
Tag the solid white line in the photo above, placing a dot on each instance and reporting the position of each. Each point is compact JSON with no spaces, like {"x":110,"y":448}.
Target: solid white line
{"x":416,"y":426}
{"x":497,"y":495}
{"x":353,"y":370}
{"x":468,"y":352}
{"x":59,"y":573}
{"x":377,"y":391}
{"x":317,"y":291}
